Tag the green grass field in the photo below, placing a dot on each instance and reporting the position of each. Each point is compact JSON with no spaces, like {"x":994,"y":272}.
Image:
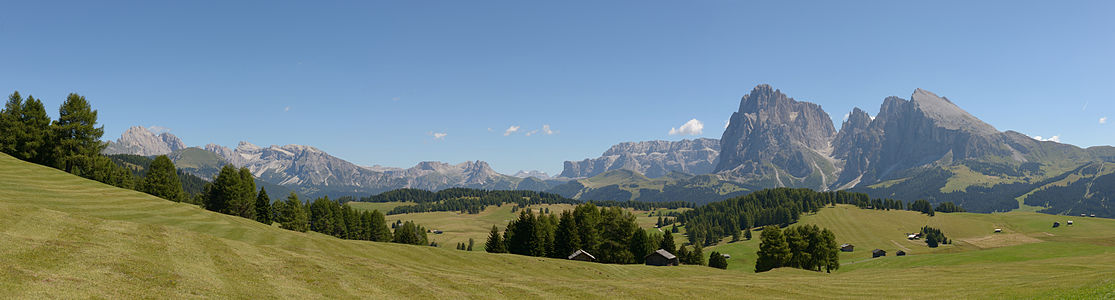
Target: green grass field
{"x":66,"y":237}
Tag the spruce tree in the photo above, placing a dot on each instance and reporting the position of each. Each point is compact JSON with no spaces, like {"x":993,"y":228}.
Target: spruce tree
{"x":11,"y":128}
{"x":495,"y":242}
{"x":470,"y":243}
{"x":717,"y":260}
{"x":697,"y":257}
{"x":831,"y":251}
{"x":566,"y":240}
{"x":683,"y":255}
{"x":638,"y":244}
{"x":379,"y":230}
{"x":747,"y":234}
{"x":162,"y":179}
{"x":76,"y":133}
{"x":263,"y":207}
{"x":293,"y":214}
{"x":224,"y":190}
{"x":36,"y":143}
{"x":668,"y":243}
{"x":244,"y":203}
{"x":773,"y":250}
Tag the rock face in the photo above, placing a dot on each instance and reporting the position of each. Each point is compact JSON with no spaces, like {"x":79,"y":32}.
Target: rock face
{"x":774,"y":140}
{"x":532,"y":173}
{"x":653,"y":159}
{"x":140,"y":141}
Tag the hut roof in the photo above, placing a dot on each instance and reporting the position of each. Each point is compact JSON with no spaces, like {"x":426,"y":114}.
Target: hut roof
{"x":579,"y":252}
{"x":664,"y":253}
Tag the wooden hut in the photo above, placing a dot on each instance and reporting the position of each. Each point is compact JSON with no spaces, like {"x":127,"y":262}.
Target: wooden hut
{"x":847,"y":247}
{"x":878,"y":252}
{"x":900,"y":253}
{"x":661,"y":258}
{"x":582,"y":255}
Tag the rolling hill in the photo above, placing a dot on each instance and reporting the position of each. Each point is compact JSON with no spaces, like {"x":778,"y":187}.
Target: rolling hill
{"x":68,"y":237}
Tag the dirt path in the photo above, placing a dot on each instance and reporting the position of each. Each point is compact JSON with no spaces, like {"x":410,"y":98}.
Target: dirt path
{"x":900,"y":246}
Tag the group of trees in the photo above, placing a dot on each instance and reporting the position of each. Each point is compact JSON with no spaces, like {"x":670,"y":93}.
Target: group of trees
{"x":71,"y":143}
{"x":717,"y":260}
{"x":805,"y":247}
{"x":708,"y":224}
{"x":610,"y":234}
{"x":934,"y":237}
{"x":948,"y":207}
{"x":465,"y":247}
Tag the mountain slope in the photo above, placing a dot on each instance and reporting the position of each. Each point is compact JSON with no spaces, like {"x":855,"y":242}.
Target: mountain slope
{"x":653,"y":158}
{"x":62,"y":236}
{"x":140,"y":141}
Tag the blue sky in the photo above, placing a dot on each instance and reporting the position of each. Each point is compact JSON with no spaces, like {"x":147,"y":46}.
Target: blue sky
{"x":397,"y":82}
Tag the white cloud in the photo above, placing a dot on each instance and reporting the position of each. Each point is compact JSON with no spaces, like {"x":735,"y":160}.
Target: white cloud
{"x":546,"y":129}
{"x":846,"y":115}
{"x":693,"y":127}
{"x":437,"y":135}
{"x":158,"y":129}
{"x":1103,"y":120}
{"x":287,"y":108}
{"x":510,"y":130}
{"x":1055,"y":138}
{"x":532,"y":132}
{"x":489,"y":129}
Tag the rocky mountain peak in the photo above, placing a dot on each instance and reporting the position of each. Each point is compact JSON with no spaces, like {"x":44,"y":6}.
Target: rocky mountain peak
{"x":532,"y":173}
{"x":652,"y":158}
{"x":138,"y":140}
{"x":948,"y":115}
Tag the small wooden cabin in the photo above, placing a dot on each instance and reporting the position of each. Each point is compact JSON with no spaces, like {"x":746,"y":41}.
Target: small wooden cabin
{"x":1056,"y":224}
{"x":1069,"y":222}
{"x":661,"y":258}
{"x":878,"y":252}
{"x":997,"y":230}
{"x":847,"y":247}
{"x":900,"y":253}
{"x":582,"y":255}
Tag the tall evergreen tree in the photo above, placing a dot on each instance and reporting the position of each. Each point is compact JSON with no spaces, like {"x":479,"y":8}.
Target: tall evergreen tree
{"x":566,"y":240}
{"x":697,"y":257}
{"x":263,"y":207}
{"x":293,"y":215}
{"x":11,"y":128}
{"x":587,"y":218}
{"x":76,"y":133}
{"x":668,"y":243}
{"x":162,"y":180}
{"x":495,"y":242}
{"x":36,"y":143}
{"x":639,"y":244}
{"x":747,"y":234}
{"x":470,"y":243}
{"x":773,"y":250}
{"x":245,"y":201}
{"x":379,"y":230}
{"x":831,"y":251}
{"x":224,"y":190}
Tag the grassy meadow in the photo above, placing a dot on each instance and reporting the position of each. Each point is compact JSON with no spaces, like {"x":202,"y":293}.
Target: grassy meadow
{"x":62,"y":236}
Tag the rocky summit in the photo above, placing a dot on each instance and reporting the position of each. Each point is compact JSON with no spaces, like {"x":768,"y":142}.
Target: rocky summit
{"x":140,"y":141}
{"x":652,"y":158}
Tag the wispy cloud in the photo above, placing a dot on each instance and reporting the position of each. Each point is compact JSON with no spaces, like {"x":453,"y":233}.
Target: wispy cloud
{"x":692,"y":127}
{"x":437,"y":135}
{"x":1055,"y":138}
{"x":286,"y":109}
{"x":532,"y":132}
{"x":1103,"y":120}
{"x":510,"y":130}
{"x":546,"y":129}
{"x":158,"y":129}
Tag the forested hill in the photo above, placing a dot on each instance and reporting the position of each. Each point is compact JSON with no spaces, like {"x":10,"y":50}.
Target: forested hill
{"x":473,"y":201}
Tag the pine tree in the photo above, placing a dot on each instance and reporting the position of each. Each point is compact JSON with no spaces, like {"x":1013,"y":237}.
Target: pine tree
{"x":587,"y":217}
{"x":495,"y":243}
{"x":293,"y":215}
{"x":773,"y":250}
{"x":263,"y":207}
{"x":683,"y":255}
{"x":11,"y":128}
{"x":747,"y":234}
{"x":668,"y":243}
{"x":831,"y":251}
{"x":245,"y":201}
{"x":638,"y":244}
{"x":697,"y":257}
{"x":162,"y":180}
{"x":224,"y":190}
{"x":379,"y":230}
{"x":76,"y":133}
{"x":566,"y":240}
{"x":717,"y":260}
{"x":37,"y":141}
{"x":470,"y":243}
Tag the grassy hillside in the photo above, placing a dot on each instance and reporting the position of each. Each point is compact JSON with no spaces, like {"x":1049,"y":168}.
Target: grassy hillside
{"x":66,"y":237}
{"x":623,"y":185}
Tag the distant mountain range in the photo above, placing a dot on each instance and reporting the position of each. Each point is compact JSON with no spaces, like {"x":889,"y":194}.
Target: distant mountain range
{"x":924,"y":147}
{"x":312,"y":172}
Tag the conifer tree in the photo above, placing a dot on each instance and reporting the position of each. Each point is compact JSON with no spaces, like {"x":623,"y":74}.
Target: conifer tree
{"x":11,"y":128}
{"x":162,"y":179}
{"x":293,"y":215}
{"x":379,"y":230}
{"x":638,"y":244}
{"x":747,"y":234}
{"x":683,"y":255}
{"x":245,"y":200}
{"x":224,"y":190}
{"x":668,"y":243}
{"x":697,"y":257}
{"x":37,"y":140}
{"x":263,"y":207}
{"x":495,"y":242}
{"x":76,"y":133}
{"x":717,"y":260}
{"x":773,"y":250}
{"x":470,"y":242}
{"x":566,"y":240}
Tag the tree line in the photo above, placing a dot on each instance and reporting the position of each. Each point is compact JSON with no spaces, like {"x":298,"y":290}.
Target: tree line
{"x":473,"y":201}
